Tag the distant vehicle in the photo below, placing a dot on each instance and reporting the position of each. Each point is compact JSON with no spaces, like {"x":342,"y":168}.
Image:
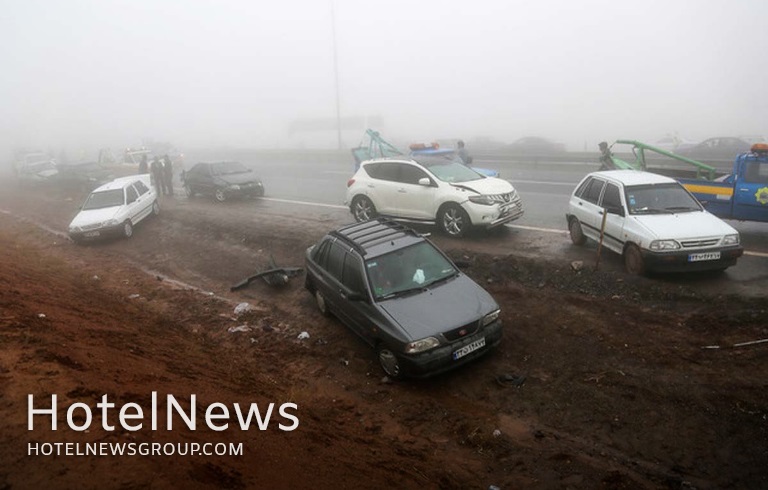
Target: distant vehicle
{"x":533,"y":145}
{"x":431,"y":189}
{"x":114,"y":208}
{"x":673,"y":143}
{"x":133,"y":156}
{"x":222,"y":180}
{"x":402,"y":296}
{"x":652,"y":221}
{"x":722,"y":148}
{"x":84,"y":175}
{"x":35,"y":167}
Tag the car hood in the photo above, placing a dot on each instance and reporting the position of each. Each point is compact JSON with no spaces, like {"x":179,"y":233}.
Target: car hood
{"x":241,"y":178}
{"x":448,"y":305}
{"x":684,"y":225}
{"x":487,"y":186}
{"x":92,"y":216}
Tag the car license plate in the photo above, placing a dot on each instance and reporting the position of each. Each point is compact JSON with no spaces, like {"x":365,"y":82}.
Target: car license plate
{"x":90,"y":234}
{"x":477,"y":344}
{"x":704,"y":256}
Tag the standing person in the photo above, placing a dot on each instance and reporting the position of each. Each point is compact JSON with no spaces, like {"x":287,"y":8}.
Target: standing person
{"x":463,"y":153}
{"x":143,"y":165}
{"x":157,"y":175}
{"x":167,"y":176}
{"x":606,"y":157}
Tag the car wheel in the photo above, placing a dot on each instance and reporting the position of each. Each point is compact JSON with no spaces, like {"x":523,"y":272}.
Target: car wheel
{"x":453,"y":220}
{"x":188,"y":190}
{"x":127,"y":229}
{"x":389,"y":363}
{"x":577,"y":235}
{"x":633,"y":260}
{"x":321,"y":304}
{"x":219,"y":195}
{"x":155,"y":208}
{"x":363,"y":209}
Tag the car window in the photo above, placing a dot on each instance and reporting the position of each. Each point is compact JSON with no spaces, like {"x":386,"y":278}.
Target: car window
{"x":612,"y":196}
{"x":335,"y":260}
{"x":383,"y":170}
{"x":410,"y":174}
{"x":140,"y":187}
{"x":104,"y":199}
{"x":593,"y":190}
{"x":130,"y":194}
{"x":660,"y":199}
{"x":353,"y":273}
{"x":411,"y":268}
{"x":580,"y":191}
{"x":320,"y":253}
{"x":756,"y":173}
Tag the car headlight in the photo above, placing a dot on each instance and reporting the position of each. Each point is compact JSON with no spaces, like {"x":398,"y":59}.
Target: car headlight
{"x":491,"y":317}
{"x":111,"y":222}
{"x":484,"y":200}
{"x":234,"y":187}
{"x":421,"y":345}
{"x":664,"y":245}
{"x":74,"y":229}
{"x":731,"y":239}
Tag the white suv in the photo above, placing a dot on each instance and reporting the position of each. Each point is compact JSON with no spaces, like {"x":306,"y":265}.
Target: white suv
{"x":652,"y":221}
{"x":431,"y":189}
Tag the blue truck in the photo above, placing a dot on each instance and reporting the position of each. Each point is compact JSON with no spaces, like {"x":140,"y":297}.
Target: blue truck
{"x":741,"y":195}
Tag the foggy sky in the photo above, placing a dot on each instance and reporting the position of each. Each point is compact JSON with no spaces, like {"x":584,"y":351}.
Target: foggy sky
{"x":87,"y":74}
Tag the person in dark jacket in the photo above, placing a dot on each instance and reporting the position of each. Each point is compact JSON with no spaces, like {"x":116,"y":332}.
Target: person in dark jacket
{"x":463,"y":153}
{"x":157,"y":174}
{"x":167,"y":176}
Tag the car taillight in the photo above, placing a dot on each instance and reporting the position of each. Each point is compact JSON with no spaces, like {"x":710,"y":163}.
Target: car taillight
{"x":350,"y":182}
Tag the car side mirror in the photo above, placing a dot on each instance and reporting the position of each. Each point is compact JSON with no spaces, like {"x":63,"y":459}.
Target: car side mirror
{"x":615,"y":210}
{"x":355,"y":296}
{"x":425,"y":182}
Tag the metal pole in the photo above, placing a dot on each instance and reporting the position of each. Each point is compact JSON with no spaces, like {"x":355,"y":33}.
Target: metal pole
{"x":600,"y":243}
{"x":336,"y":75}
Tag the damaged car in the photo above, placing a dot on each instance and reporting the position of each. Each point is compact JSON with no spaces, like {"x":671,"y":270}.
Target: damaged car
{"x":403,"y":296}
{"x":222,"y":181}
{"x":432,"y":189}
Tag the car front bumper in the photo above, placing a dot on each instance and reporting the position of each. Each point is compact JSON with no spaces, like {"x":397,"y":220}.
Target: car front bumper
{"x":440,"y":359}
{"x":97,"y":233}
{"x":679,"y":260}
{"x":250,"y":189}
{"x":494,"y":215}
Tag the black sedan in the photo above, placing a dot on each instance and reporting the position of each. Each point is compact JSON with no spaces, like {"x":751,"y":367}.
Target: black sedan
{"x":222,"y":180}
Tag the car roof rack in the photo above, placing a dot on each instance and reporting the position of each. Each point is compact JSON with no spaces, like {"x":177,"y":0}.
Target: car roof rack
{"x":365,"y":235}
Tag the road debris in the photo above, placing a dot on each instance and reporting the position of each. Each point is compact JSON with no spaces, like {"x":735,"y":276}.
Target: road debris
{"x":272,"y":275}
{"x":242,"y":308}
{"x":303,"y":335}
{"x":241,"y":328}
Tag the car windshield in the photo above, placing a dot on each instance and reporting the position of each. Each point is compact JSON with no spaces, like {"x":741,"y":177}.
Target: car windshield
{"x":660,"y":199}
{"x":104,"y":199}
{"x":228,"y":168}
{"x":409,"y":269}
{"x":451,"y":171}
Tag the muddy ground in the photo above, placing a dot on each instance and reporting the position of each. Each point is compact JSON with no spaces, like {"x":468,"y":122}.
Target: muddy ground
{"x":619,"y":390}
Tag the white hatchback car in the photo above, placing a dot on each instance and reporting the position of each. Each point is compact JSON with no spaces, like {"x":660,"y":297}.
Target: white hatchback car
{"x":114,"y":208}
{"x":652,"y":220}
{"x":431,"y":189}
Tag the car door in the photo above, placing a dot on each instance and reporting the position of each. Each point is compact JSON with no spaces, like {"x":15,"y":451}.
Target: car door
{"x":750,"y":197}
{"x":616,"y":213}
{"x":143,"y":202}
{"x":382,"y":187}
{"x":414,"y":200}
{"x":586,"y":208}
{"x":132,"y":205}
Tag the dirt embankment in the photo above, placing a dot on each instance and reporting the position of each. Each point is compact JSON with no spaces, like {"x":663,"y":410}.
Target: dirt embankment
{"x":617,"y":390}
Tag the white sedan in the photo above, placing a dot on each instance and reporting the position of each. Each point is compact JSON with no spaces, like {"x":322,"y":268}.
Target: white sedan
{"x":652,"y":221}
{"x":115,"y":208}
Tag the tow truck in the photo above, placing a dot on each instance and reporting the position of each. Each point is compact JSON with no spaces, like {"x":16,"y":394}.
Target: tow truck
{"x":741,"y":195}
{"x":374,"y":146}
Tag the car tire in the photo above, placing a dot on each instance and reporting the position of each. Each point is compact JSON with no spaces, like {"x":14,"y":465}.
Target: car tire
{"x":453,"y":220}
{"x":577,"y":234}
{"x":127,"y":229}
{"x":219,"y":195}
{"x":155,"y":208}
{"x":389,"y":362}
{"x":363,"y":209}
{"x":189,"y":191}
{"x":322,"y":305}
{"x":633,"y":260}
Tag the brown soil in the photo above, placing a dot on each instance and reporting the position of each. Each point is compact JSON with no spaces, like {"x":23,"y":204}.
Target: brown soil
{"x":619,"y":390}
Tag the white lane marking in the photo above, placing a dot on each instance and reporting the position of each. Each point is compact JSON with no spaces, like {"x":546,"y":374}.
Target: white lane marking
{"x":305,"y":203}
{"x":338,"y":172}
{"x":535,"y":228}
{"x":543,"y":182}
{"x":756,"y":254}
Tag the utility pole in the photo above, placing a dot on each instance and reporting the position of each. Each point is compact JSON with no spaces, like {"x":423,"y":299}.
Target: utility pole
{"x":336,"y":75}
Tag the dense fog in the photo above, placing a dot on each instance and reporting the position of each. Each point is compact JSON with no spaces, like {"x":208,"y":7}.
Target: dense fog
{"x":81,"y":75}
